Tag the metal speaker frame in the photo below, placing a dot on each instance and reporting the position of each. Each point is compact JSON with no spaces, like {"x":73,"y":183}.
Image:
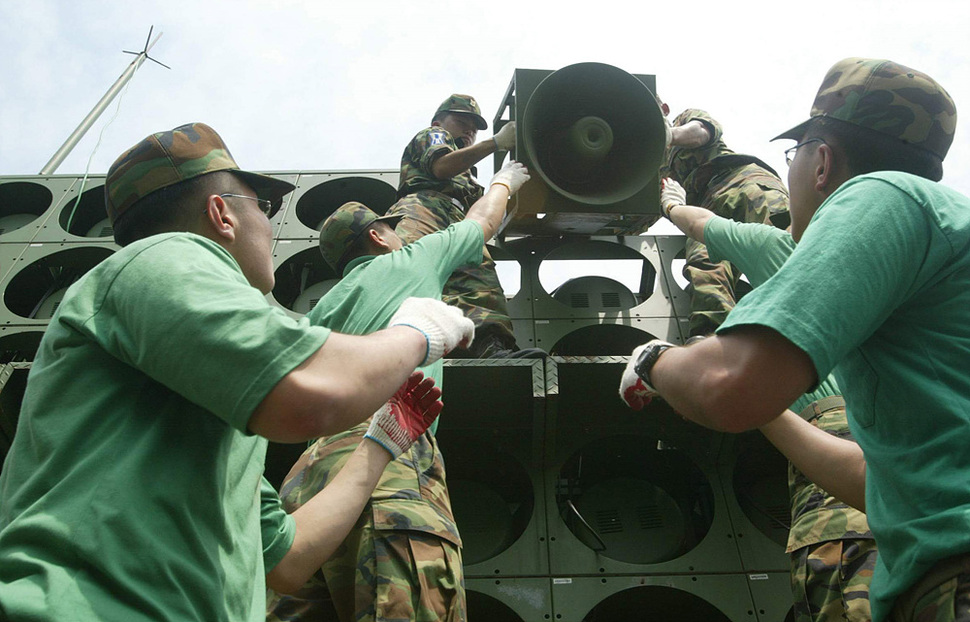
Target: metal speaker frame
{"x":593,"y":137}
{"x":318,"y":195}
{"x":26,"y":203}
{"x":509,"y":599}
{"x":713,"y":598}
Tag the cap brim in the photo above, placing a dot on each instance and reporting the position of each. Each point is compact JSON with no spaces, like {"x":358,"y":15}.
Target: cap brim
{"x":480,"y":121}
{"x":390,"y":220}
{"x":267,"y":187}
{"x":794,"y":133}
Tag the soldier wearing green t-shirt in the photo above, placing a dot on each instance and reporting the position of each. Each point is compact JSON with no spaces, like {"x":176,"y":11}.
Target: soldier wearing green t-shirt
{"x":133,"y":488}
{"x":436,"y":189}
{"x":733,"y":185}
{"x":403,"y":558}
{"x":878,"y":291}
{"x":831,"y":548}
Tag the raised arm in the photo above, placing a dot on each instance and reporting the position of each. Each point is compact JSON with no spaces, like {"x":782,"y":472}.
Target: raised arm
{"x":323,"y":522}
{"x":456,"y":162}
{"x":489,"y":210}
{"x":689,"y":219}
{"x":349,"y":377}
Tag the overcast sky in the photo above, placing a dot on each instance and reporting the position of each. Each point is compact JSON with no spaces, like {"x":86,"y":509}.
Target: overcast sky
{"x":332,"y":86}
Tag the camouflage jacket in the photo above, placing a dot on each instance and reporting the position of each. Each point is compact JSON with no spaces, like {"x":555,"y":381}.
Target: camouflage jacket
{"x":430,"y":144}
{"x":817,"y":516}
{"x":731,"y":185}
{"x":411,"y":495}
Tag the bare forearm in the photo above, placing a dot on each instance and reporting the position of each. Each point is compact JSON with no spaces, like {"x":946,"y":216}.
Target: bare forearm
{"x":691,"y":135}
{"x":489,"y":210}
{"x":833,"y":463}
{"x":324,"y":521}
{"x":691,"y":220}
{"x":340,"y":385}
{"x":457,"y":162}
{"x":733,"y":382}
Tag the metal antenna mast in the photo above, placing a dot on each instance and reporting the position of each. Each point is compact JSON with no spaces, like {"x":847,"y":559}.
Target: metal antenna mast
{"x":89,"y":120}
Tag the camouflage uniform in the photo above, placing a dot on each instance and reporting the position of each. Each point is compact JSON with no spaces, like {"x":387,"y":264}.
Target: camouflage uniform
{"x":402,"y":559}
{"x":833,"y":553}
{"x":405,"y":537}
{"x":735,"y":186}
{"x":429,"y":204}
{"x":942,"y":595}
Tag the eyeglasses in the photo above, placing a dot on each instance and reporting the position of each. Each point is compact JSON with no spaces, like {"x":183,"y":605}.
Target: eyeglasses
{"x":265,"y":205}
{"x":790,"y":153}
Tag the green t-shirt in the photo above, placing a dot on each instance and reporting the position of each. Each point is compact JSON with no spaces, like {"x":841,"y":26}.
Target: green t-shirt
{"x":758,"y":250}
{"x":880,"y":286}
{"x":373,"y":288}
{"x":132,"y":489}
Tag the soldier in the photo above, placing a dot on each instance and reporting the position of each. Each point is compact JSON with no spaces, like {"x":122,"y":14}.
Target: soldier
{"x":831,"y":549}
{"x":732,"y":185}
{"x":436,"y":189}
{"x":878,"y":289}
{"x":133,"y":490}
{"x":402,"y":561}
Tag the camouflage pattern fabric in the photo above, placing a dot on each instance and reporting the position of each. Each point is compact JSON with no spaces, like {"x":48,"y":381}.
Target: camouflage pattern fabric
{"x":167,"y":158}
{"x":817,"y":516}
{"x":885,"y":97}
{"x":402,"y":560}
{"x":475,"y":290}
{"x":420,"y":154}
{"x":942,"y":595}
{"x":733,"y":186}
{"x":830,"y":581}
{"x":464,"y":104}
{"x":343,"y":227}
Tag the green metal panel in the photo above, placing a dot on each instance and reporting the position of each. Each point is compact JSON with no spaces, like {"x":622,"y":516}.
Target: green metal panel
{"x":317,"y":195}
{"x":26,"y":203}
{"x":509,"y":600}
{"x":672,"y":598}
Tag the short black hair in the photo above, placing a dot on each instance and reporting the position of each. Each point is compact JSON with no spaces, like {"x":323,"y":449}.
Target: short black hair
{"x":868,"y":151}
{"x":172,"y":208}
{"x":359,"y":247}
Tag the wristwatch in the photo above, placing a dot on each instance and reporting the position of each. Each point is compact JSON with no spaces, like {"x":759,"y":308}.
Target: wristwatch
{"x":648,"y":358}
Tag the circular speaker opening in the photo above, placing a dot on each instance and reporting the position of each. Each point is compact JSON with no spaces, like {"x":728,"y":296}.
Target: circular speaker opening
{"x":655,"y":602}
{"x":485,"y":607}
{"x":323,"y":199}
{"x":761,"y":486}
{"x":601,"y":340}
{"x":302,"y":280}
{"x":597,"y":276}
{"x":21,"y":203}
{"x":627,"y":500}
{"x":594,"y":132}
{"x":492,"y":506}
{"x":18,"y":345}
{"x":86,"y":216}
{"x":36,"y":290}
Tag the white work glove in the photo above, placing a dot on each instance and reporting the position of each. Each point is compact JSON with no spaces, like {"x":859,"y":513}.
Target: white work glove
{"x":634,"y":390}
{"x":505,"y":137}
{"x":406,"y":416}
{"x":512,"y":176}
{"x":444,"y":327}
{"x":671,"y":195}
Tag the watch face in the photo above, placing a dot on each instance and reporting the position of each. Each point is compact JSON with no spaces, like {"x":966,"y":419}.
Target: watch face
{"x":648,"y":357}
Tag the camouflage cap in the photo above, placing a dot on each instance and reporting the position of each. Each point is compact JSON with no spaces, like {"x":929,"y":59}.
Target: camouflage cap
{"x":886,"y":97}
{"x":167,"y":158}
{"x":465,"y":104}
{"x":342,"y":228}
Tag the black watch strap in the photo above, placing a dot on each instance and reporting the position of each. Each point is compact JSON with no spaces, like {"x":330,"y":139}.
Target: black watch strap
{"x":648,"y":358}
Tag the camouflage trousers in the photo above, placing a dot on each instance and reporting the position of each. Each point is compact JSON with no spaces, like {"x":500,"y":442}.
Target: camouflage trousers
{"x":830,"y":580}
{"x":475,"y":290}
{"x":746,"y":195}
{"x":941,"y":595}
{"x":395,"y":558}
